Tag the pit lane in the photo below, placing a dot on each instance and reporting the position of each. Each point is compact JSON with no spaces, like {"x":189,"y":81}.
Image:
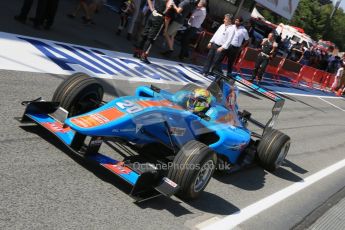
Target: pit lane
{"x":44,"y":187}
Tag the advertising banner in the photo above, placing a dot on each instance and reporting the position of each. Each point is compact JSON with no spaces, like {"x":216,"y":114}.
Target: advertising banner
{"x":285,"y":8}
{"x":23,"y":53}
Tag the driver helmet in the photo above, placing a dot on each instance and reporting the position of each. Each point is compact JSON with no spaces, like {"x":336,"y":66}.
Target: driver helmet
{"x":199,"y":101}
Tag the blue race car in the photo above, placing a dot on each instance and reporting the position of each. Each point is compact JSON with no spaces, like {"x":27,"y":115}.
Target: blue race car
{"x":177,"y":150}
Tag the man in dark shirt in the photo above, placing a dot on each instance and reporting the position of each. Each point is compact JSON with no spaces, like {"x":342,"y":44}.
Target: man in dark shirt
{"x":45,"y":13}
{"x":305,"y":57}
{"x":295,"y":52}
{"x":152,"y":29}
{"x":194,"y":23}
{"x":184,"y":9}
{"x":279,"y":38}
{"x":268,"y":48}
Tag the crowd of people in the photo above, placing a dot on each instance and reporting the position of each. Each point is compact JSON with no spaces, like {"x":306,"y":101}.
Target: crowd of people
{"x":168,"y":17}
{"x":186,"y":16}
{"x":146,"y":20}
{"x":318,"y":58}
{"x":227,"y":42}
{"x":314,"y":56}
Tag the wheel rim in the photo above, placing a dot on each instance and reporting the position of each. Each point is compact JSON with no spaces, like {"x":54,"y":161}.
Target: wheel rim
{"x":283,"y":152}
{"x":203,"y":176}
{"x":85,"y":104}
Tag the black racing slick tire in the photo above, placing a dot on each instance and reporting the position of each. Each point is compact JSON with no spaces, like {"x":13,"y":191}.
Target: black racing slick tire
{"x":192,"y":169}
{"x":273,"y":149}
{"x":61,"y":88}
{"x":78,"y":94}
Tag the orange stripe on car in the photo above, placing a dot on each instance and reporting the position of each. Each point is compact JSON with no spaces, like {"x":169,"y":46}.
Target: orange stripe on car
{"x":97,"y":119}
{"x":163,"y":103}
{"x":111,"y":113}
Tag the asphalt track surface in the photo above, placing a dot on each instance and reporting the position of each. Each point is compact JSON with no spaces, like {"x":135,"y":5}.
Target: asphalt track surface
{"x":43,"y":186}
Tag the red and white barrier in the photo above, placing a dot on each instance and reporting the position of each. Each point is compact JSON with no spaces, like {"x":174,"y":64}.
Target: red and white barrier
{"x":282,"y":67}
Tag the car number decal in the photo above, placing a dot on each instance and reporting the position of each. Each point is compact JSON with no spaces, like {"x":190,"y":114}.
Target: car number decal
{"x":129,"y":106}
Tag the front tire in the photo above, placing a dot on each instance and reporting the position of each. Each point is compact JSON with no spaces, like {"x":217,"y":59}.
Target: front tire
{"x":79,"y":94}
{"x":273,"y":149}
{"x":192,"y":169}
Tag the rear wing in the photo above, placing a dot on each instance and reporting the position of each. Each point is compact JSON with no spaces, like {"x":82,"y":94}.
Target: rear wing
{"x":278,"y":101}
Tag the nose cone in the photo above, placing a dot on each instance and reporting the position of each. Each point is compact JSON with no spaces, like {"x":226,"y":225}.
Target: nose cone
{"x":95,"y":119}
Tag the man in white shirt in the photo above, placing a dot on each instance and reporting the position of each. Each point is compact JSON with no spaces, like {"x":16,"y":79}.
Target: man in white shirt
{"x":337,"y":83}
{"x":218,"y":43}
{"x":235,"y":46}
{"x":196,"y":19}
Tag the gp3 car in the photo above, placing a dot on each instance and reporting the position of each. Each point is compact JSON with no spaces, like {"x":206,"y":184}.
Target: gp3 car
{"x":177,"y":150}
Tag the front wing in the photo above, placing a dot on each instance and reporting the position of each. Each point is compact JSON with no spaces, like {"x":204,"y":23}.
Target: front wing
{"x":146,"y":184}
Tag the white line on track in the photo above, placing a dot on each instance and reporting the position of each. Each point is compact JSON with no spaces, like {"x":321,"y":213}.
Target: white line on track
{"x":231,"y":221}
{"x":309,"y":95}
{"x":332,"y":104}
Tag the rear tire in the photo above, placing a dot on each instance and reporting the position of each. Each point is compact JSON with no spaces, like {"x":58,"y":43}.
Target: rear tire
{"x":192,"y":169}
{"x":79,"y":94}
{"x":273,"y":149}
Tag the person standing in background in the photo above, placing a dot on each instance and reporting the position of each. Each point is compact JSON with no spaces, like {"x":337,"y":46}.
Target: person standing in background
{"x":170,"y":14}
{"x":295,"y":52}
{"x":45,"y":13}
{"x":234,"y":46}
{"x":152,"y":29}
{"x":134,"y":18}
{"x":305,"y":58}
{"x":51,"y":8}
{"x":144,"y":14}
{"x":338,"y":78}
{"x":27,"y":4}
{"x":197,"y":18}
{"x":268,"y":49}
{"x":341,"y":88}
{"x":251,"y":29}
{"x":127,"y":10}
{"x":219,"y":42}
{"x":185,"y":8}
{"x":279,"y":38}
{"x":40,"y":14}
